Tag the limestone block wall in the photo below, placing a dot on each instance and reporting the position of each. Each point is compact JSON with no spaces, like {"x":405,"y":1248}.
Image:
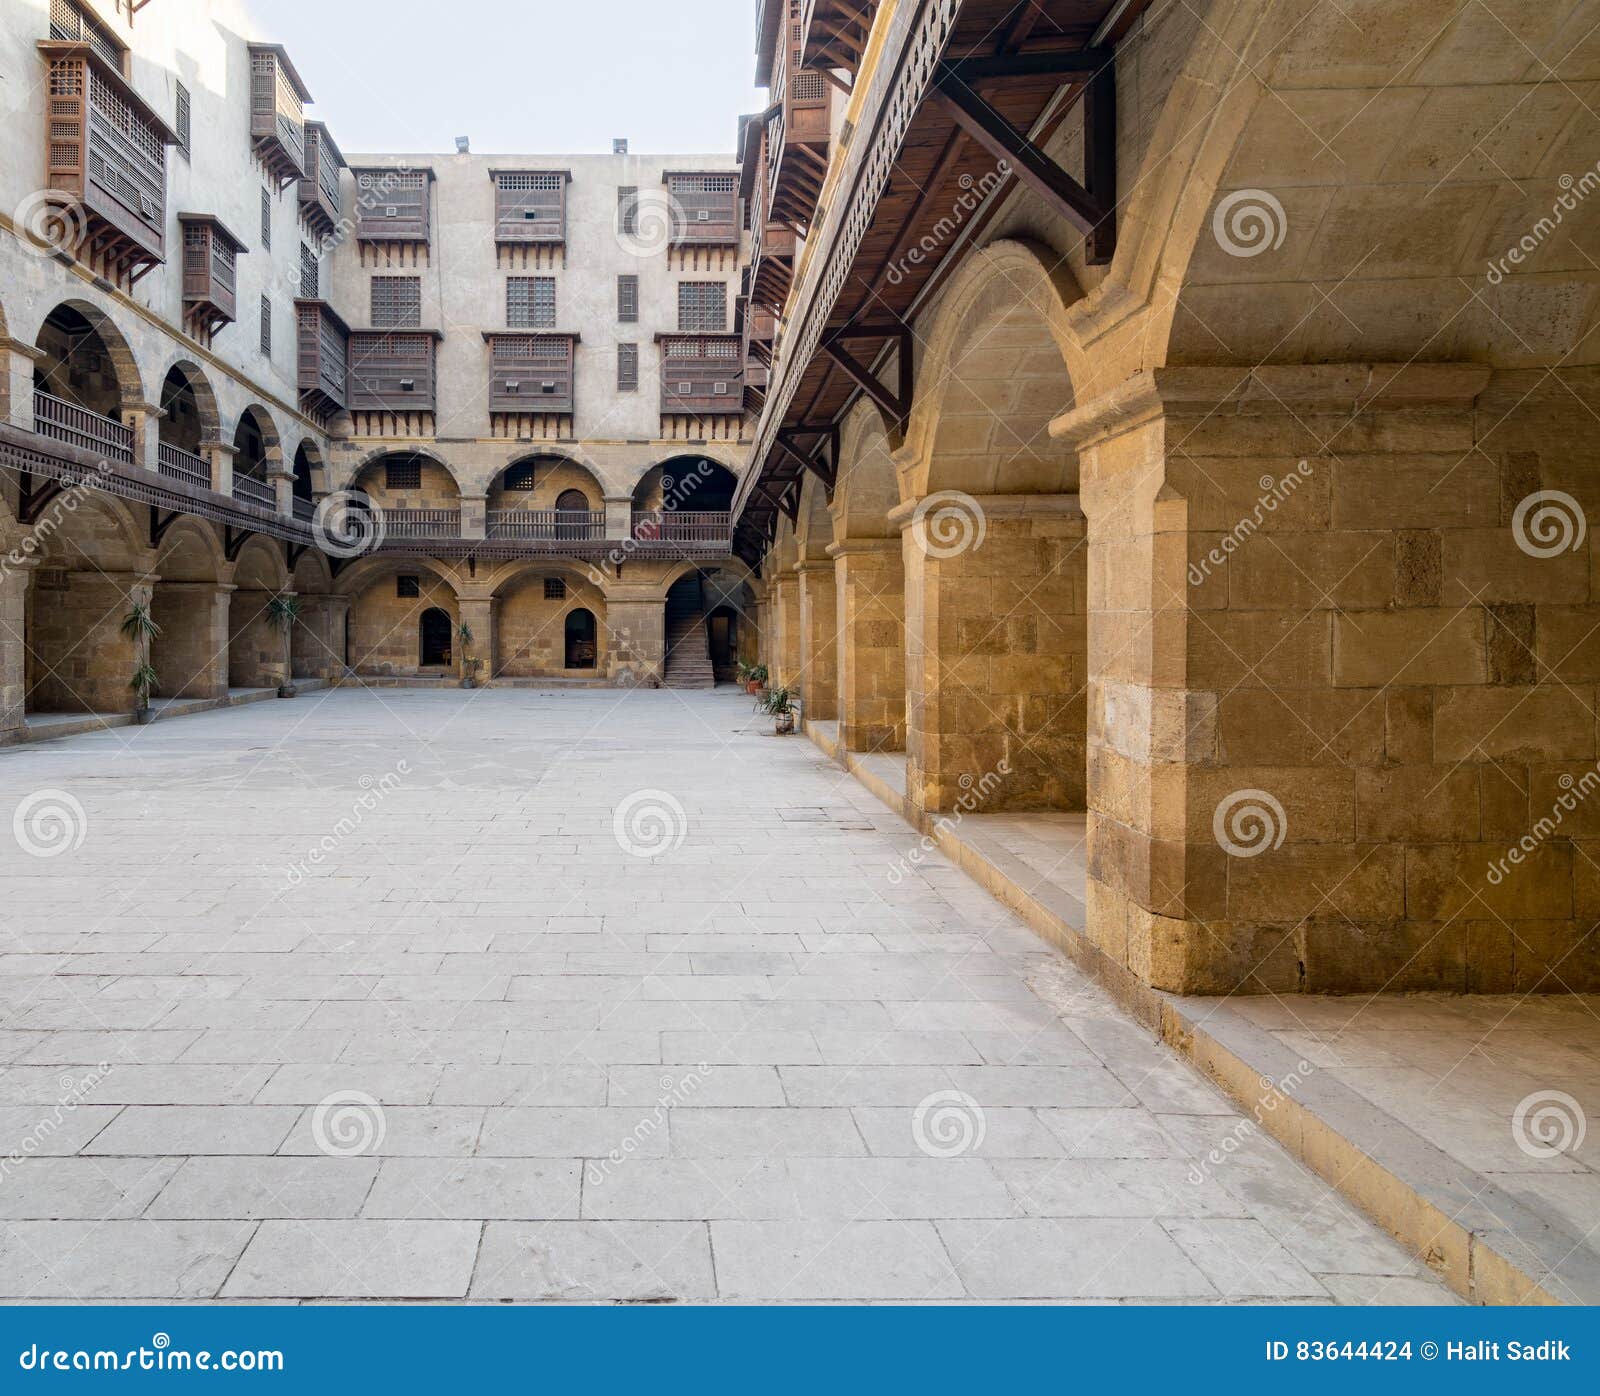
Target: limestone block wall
{"x":190,"y":656}
{"x":819,"y":627}
{"x":530,"y":631}
{"x":78,"y":659}
{"x":1341,"y":695}
{"x":996,"y":657}
{"x":635,"y":639}
{"x":385,"y":629}
{"x":14,"y":581}
{"x":258,"y":647}
{"x":869,"y":584}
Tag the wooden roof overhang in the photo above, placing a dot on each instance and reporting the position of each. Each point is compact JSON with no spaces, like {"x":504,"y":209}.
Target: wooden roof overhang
{"x":960,"y":135}
{"x":834,"y":33}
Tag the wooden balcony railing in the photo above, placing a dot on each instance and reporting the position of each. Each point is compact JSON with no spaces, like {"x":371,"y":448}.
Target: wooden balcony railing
{"x":548,"y":525}
{"x":66,"y":422}
{"x":253,"y":491}
{"x":178,"y":464}
{"x":422,"y":523}
{"x":681,"y":526}
{"x":305,"y":509}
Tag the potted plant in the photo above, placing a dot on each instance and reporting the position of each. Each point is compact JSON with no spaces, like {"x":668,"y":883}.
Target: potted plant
{"x":283,"y":611}
{"x":753,"y":676}
{"x":469,"y":664}
{"x":780,"y":706}
{"x":140,"y":627}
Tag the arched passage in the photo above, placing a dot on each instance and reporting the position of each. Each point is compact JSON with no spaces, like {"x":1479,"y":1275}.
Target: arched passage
{"x":189,"y":422}
{"x":994,"y":549}
{"x":531,"y":624}
{"x":681,"y":495}
{"x":192,"y":607}
{"x":258,"y":628}
{"x":417,"y":492}
{"x":317,"y":638}
{"x":387,"y":599}
{"x":86,"y":383}
{"x":546,"y":497}
{"x":435,"y":633}
{"x":256,"y":454}
{"x":819,"y":612}
{"x":581,"y":647}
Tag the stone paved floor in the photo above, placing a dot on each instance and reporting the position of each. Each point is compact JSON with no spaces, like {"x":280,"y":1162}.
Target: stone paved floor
{"x":415,"y":995}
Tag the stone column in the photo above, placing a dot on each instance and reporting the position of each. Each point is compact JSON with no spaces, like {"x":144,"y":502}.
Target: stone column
{"x":258,"y":647}
{"x":16,"y":404}
{"x":479,"y":614}
{"x":84,"y":661}
{"x":337,"y":621}
{"x":220,"y":454}
{"x":14,"y":578}
{"x":474,"y":515}
{"x":635,"y":623}
{"x":145,"y":423}
{"x":619,"y":516}
{"x":1333,"y":680}
{"x":281,"y":478}
{"x":869,"y":582}
{"x":190,"y":656}
{"x":316,"y":648}
{"x":996,"y":654}
{"x":786,"y":648}
{"x":819,"y":627}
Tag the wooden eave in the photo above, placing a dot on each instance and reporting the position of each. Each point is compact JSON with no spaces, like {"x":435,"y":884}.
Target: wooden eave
{"x":218,"y":227}
{"x":80,"y":48}
{"x":288,"y":67}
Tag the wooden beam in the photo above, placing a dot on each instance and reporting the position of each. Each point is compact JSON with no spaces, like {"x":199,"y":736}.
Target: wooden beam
{"x":1100,"y":160}
{"x":1079,"y":63}
{"x":896,"y":405}
{"x":1032,"y":166}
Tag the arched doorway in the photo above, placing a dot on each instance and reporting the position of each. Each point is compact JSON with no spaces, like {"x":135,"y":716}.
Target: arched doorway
{"x":76,"y":365}
{"x":572,"y":509}
{"x":723,"y":628}
{"x":686,"y":498}
{"x":436,"y":633}
{"x":581,"y":648}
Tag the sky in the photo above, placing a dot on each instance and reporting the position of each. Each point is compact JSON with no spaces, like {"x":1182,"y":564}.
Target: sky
{"x":567,"y":76}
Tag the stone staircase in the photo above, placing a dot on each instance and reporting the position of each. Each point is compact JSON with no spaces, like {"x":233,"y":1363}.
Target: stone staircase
{"x":688,"y":646}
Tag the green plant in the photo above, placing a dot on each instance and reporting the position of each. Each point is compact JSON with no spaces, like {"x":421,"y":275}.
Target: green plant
{"x":139,"y":625}
{"x":144,"y":682}
{"x":778,"y":702}
{"x":743,"y":671}
{"x":758,"y":673}
{"x":283,"y":610}
{"x":464,"y":634}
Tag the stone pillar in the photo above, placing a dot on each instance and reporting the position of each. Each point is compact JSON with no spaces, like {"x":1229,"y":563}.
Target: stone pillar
{"x":83,"y":661}
{"x":819,"y":631}
{"x":636,"y":639}
{"x":14,"y":578}
{"x":145,"y":423}
{"x":190,"y":656}
{"x":996,"y":653}
{"x":258,"y":647}
{"x":337,"y":619}
{"x":786,"y":650}
{"x":474,"y":515}
{"x":869,"y":582}
{"x":478,"y":613}
{"x":619,"y":516}
{"x":220,"y":454}
{"x":16,"y":389}
{"x":1335,"y":680}
{"x":281,"y":478}
{"x":316,"y":644}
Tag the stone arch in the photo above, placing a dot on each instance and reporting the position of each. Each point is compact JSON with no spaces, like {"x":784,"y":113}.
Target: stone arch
{"x":546,"y":483}
{"x":867,"y":489}
{"x":363,"y":473}
{"x":190,"y":418}
{"x":530,"y":623}
{"x":385,"y":612}
{"x":257,"y":448}
{"x":310,"y":470}
{"x":994,"y":374}
{"x":73,"y":337}
{"x":261,"y":565}
{"x":698,"y":484}
{"x":191,"y":605}
{"x":420,"y":480}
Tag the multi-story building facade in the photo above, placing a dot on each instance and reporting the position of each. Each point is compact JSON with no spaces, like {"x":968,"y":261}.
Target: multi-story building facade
{"x":423,"y":396}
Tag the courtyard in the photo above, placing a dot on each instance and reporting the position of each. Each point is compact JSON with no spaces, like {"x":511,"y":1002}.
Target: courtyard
{"x":580,"y":996}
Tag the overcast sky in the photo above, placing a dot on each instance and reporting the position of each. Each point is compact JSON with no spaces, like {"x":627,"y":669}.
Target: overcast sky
{"x":531,"y":75}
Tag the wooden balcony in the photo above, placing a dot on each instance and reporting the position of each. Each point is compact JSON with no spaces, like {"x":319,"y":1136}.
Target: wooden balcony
{"x":392,"y":370}
{"x":834,"y":33}
{"x":680,"y":526}
{"x":393,"y":205}
{"x":701,"y":375}
{"x":249,"y":490}
{"x":530,"y":206}
{"x":177,"y":464}
{"x":531,"y":373}
{"x":56,"y":419}
{"x":210,"y":273}
{"x":278,"y":113}
{"x":321,"y":204}
{"x":106,"y":153}
{"x":555,"y":526}
{"x":705,"y":209}
{"x":323,"y":356}
{"x":421,"y":523}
